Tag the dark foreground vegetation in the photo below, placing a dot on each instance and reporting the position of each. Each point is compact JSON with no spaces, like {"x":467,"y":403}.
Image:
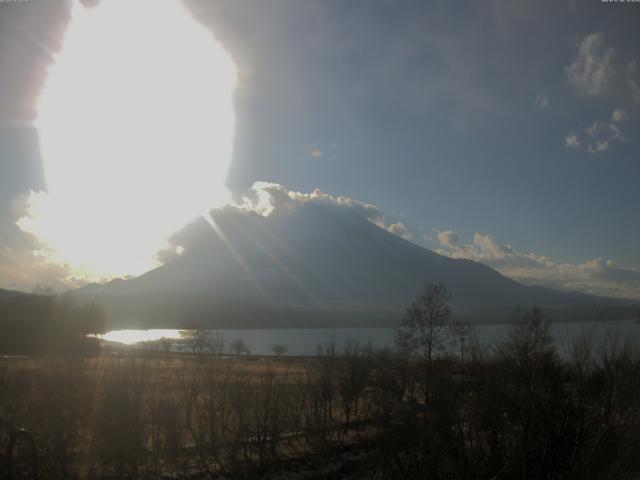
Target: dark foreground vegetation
{"x":513,"y":411}
{"x":46,"y":324}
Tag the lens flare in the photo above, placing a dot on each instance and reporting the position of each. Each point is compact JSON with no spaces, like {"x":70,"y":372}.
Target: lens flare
{"x":136,"y":126}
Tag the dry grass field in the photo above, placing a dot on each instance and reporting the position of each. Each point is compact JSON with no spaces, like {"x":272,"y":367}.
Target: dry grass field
{"x":515,"y":410}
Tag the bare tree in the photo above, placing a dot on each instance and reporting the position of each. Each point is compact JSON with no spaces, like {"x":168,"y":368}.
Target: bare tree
{"x":356,"y":366}
{"x":530,"y":341}
{"x":279,"y":349}
{"x":197,"y":338}
{"x":239,"y":347}
{"x":217,"y":343}
{"x":460,"y":333}
{"x":422,"y":332}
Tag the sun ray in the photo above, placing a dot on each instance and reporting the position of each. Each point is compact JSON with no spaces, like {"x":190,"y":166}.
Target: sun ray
{"x":234,"y":251}
{"x":287,"y":272}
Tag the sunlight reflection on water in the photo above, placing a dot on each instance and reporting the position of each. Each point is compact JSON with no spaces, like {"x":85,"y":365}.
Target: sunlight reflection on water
{"x":306,"y":341}
{"x":131,"y":337}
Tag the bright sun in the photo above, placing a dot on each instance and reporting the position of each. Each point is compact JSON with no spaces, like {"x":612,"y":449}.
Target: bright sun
{"x":136,"y":129}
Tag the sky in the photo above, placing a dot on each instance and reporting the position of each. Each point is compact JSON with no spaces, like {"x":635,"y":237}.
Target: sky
{"x":504,"y":132}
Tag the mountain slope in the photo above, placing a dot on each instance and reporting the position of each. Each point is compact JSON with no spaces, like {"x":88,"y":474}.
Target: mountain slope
{"x":7,"y":294}
{"x":313,"y":265}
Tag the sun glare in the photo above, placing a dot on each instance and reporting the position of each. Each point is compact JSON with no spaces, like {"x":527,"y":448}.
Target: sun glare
{"x":136,"y":127}
{"x":131,"y":337}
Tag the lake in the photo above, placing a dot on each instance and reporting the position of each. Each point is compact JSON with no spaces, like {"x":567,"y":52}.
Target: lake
{"x":306,"y":341}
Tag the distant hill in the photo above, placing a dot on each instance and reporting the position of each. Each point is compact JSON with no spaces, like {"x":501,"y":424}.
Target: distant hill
{"x":317,"y":265}
{"x":6,"y":294}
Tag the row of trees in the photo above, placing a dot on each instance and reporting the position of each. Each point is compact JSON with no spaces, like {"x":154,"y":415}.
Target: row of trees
{"x":515,"y":410}
{"x":200,"y":340}
{"x":49,"y":324}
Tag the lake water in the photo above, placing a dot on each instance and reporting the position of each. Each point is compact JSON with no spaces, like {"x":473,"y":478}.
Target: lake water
{"x":306,"y":341}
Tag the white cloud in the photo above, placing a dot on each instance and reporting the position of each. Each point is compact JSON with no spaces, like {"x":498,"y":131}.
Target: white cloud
{"x":271,"y":198}
{"x":598,"y":147}
{"x":400,"y":230}
{"x":594,"y":67}
{"x":24,"y":261}
{"x":169,"y":253}
{"x":449,"y":238}
{"x":24,"y":269}
{"x":618,"y":115}
{"x":634,"y":84}
{"x":597,"y":276}
{"x":317,"y":151}
{"x":615,"y":133}
{"x":541,"y":102}
{"x":572,"y":141}
{"x":600,"y":136}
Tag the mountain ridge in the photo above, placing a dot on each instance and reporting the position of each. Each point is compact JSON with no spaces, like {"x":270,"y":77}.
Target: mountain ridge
{"x":313,"y":265}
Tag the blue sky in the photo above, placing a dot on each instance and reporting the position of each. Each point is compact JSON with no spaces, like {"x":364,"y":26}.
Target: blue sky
{"x":505,"y":132}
